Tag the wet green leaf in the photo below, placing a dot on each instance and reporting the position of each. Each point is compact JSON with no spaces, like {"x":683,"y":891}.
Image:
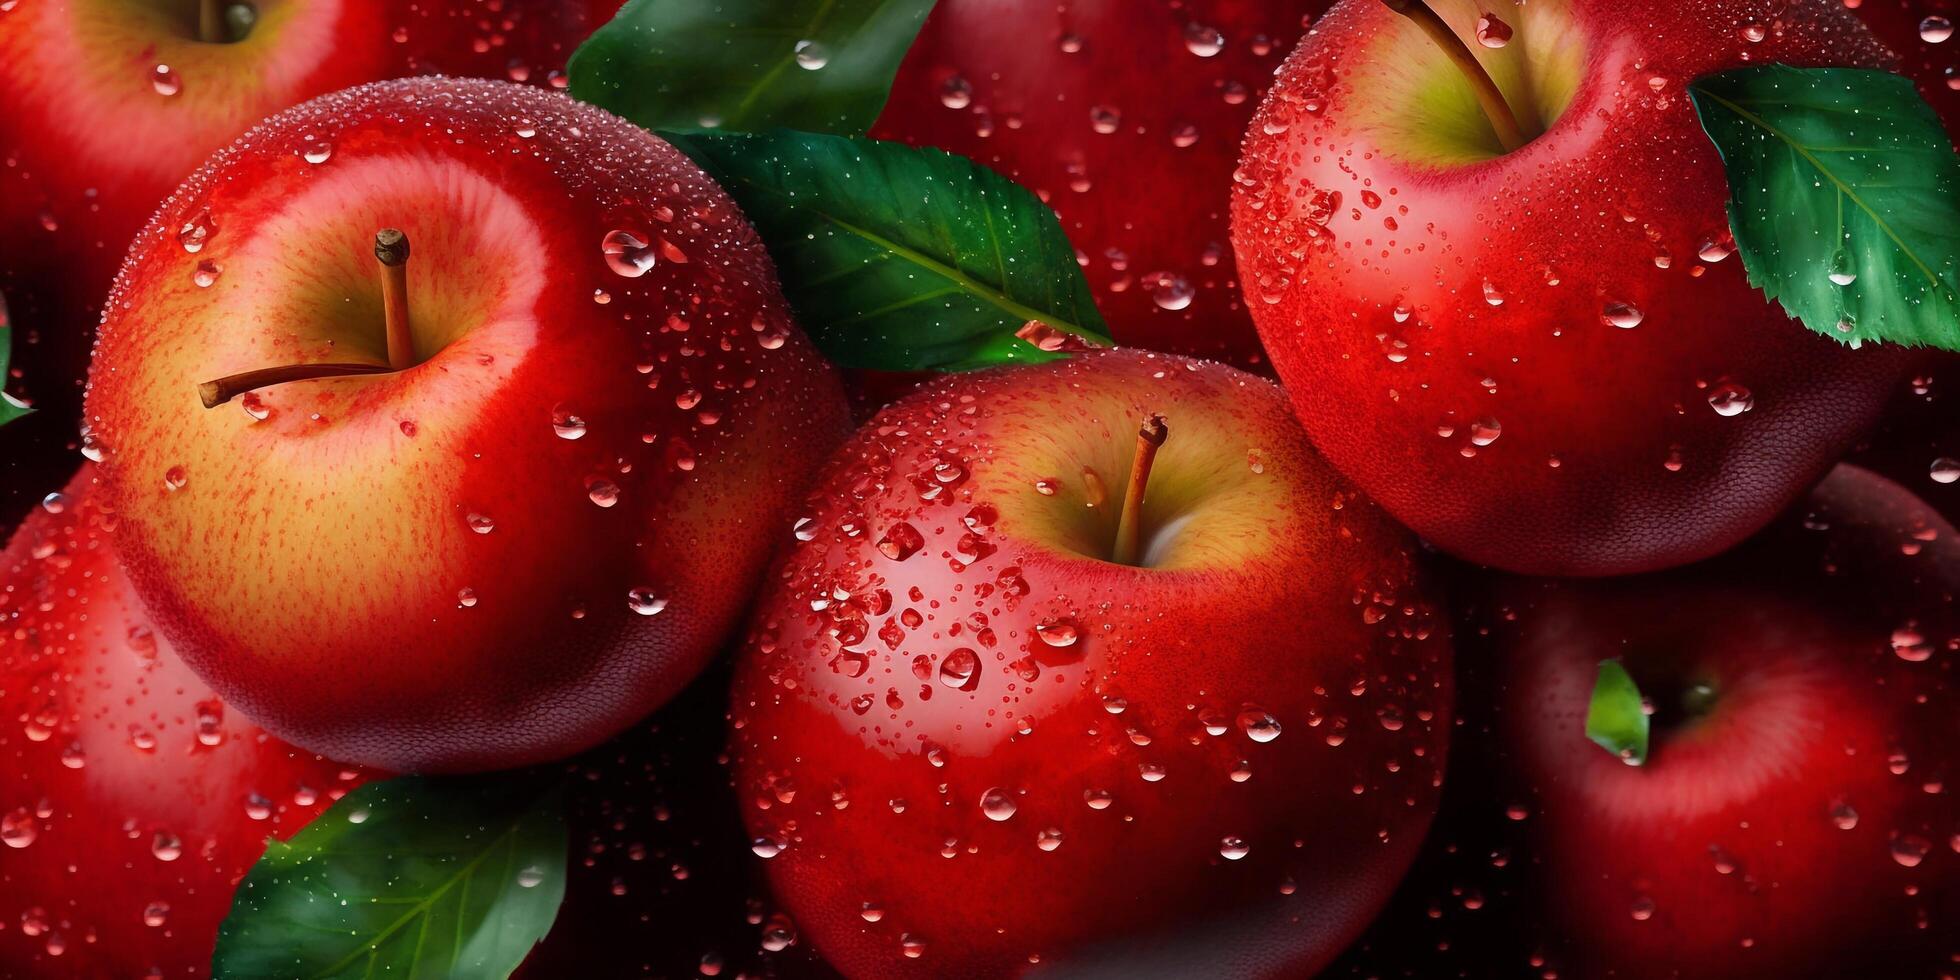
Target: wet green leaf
{"x":10,"y":409}
{"x":748,"y":65}
{"x":1844,"y":197}
{"x":1617,"y":719}
{"x":411,"y":877}
{"x":898,"y":258}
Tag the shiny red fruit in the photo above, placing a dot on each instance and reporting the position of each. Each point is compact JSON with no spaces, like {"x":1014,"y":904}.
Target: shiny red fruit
{"x":968,"y":744}
{"x":132,"y":799}
{"x":1546,"y":360}
{"x":1794,"y":816}
{"x":1125,"y":117}
{"x":540,"y":528}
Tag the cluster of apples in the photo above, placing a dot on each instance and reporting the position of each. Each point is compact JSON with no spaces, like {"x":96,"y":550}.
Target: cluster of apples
{"x":439,"y":425}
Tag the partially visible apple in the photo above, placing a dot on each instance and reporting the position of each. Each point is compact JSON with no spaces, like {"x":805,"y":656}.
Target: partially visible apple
{"x":1543,"y":359}
{"x":1793,"y":816}
{"x":132,"y":799}
{"x":538,"y":524}
{"x":1124,"y":116}
{"x":979,"y":729}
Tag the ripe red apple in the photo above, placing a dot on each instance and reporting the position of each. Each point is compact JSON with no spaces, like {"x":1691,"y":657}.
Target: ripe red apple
{"x":132,"y":800}
{"x":1793,"y":816}
{"x":543,"y":514}
{"x":968,"y":741}
{"x":1543,"y":359}
{"x":1126,"y":118}
{"x":107,"y":105}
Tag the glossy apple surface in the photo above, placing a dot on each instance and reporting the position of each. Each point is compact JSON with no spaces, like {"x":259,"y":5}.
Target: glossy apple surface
{"x":1793,"y":817}
{"x":967,"y":744}
{"x":1126,"y":118}
{"x":132,"y":799}
{"x":1546,"y":360}
{"x":530,"y":538}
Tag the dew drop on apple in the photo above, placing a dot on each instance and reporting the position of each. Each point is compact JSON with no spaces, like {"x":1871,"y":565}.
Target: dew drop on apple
{"x":55,"y":502}
{"x":1203,"y":40}
{"x":1105,"y":119}
{"x":1059,"y":632}
{"x":1626,"y":316}
{"x":604,"y":493}
{"x":1484,"y":431}
{"x":1753,"y":31}
{"x":871,"y":911}
{"x":998,"y":804}
{"x":1258,"y":724}
{"x":1048,"y":839}
{"x":165,"y":80}
{"x":901,"y":541}
{"x":206,"y":273}
{"x":767,"y":847}
{"x":257,"y":807}
{"x":316,"y":152}
{"x":1911,"y":645}
{"x":960,"y":670}
{"x":956,"y":92}
{"x":1233,"y":848}
{"x":156,"y":914}
{"x":165,"y":846}
{"x":1152,"y":772}
{"x":1492,"y":294}
{"x":1935,"y":29}
{"x":1910,"y":849}
{"x":194,"y":233}
{"x":174,"y":478}
{"x":627,"y":253}
{"x":466,"y":598}
{"x":1945,"y":469}
{"x":1716,"y":247}
{"x":1642,"y":908}
{"x":18,"y":828}
{"x":912,"y":946}
{"x":811,"y":55}
{"x":480,"y":523}
{"x":1729,"y":399}
{"x":1492,"y":32}
{"x":566,"y":423}
{"x":210,"y":723}
{"x":642,"y":600}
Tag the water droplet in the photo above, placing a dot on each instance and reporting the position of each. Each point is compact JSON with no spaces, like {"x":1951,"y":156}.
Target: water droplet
{"x":767,"y":847}
{"x":1753,"y":31}
{"x":1935,"y":29}
{"x":1642,"y":908}
{"x":466,"y":598}
{"x":195,"y":232}
{"x":1049,"y":839}
{"x":316,"y":152}
{"x":1910,"y":849}
{"x":1258,"y":725}
{"x":1203,"y":41}
{"x":605,"y":493}
{"x":998,"y":804}
{"x":1716,"y":247}
{"x":1105,"y":119}
{"x":156,"y":914}
{"x":627,"y":253}
{"x":960,"y":670}
{"x":1492,"y":32}
{"x":55,"y":502}
{"x":912,"y":946}
{"x":1233,"y":848}
{"x":165,"y":80}
{"x":531,"y":876}
{"x":1061,"y":632}
{"x":643,"y":601}
{"x":165,"y":846}
{"x":1841,"y":273}
{"x":1485,"y":431}
{"x":174,"y":478}
{"x":1945,"y":469}
{"x":1492,"y":295}
{"x":567,"y":424}
{"x":1729,"y":399}
{"x":480,"y":523}
{"x":956,"y":93}
{"x":1171,"y":292}
{"x":206,"y":273}
{"x":1623,"y":315}
{"x":811,"y":55}
{"x":901,"y":541}
{"x":1911,"y":645}
{"x":18,"y":828}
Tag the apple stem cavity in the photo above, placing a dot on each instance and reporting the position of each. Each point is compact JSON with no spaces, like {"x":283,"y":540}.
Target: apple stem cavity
{"x":1502,"y":120}
{"x":1150,"y":436}
{"x":215,"y":393}
{"x":222,"y":22}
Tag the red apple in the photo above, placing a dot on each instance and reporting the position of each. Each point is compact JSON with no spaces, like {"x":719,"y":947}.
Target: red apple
{"x":1792,"y":817}
{"x":1125,"y":117}
{"x":132,"y":800}
{"x":536,"y":528}
{"x":1544,"y":359}
{"x":106,"y":105}
{"x":969,"y":742}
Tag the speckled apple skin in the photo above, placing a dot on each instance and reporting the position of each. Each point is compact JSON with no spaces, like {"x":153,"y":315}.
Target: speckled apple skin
{"x":1825,"y":750}
{"x":312,"y":566}
{"x":1146,"y":203}
{"x":1366,"y":273}
{"x":112,"y":753}
{"x":1288,"y":595}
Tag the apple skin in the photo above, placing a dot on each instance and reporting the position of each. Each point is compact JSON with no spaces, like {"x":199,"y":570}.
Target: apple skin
{"x":1366,"y":270}
{"x":1147,"y":215}
{"x":90,"y":144}
{"x":1284,"y":594}
{"x":313,"y":565}
{"x":143,"y":797}
{"x":1816,"y":778}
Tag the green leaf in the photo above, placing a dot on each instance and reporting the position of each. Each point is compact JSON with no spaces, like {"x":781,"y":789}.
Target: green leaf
{"x":898,"y":258}
{"x":412,"y":877}
{"x":10,"y":407}
{"x":1844,"y":197}
{"x":747,"y":65}
{"x":1617,"y":719}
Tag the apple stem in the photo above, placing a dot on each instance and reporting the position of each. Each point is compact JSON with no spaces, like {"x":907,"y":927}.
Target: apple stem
{"x":1496,"y":109}
{"x":215,"y":393}
{"x":391,"y":250}
{"x":1150,"y":435}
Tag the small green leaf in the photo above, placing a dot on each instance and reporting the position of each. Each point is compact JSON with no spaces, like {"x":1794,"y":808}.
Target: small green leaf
{"x":902,"y":259}
{"x":412,"y":877}
{"x":1617,"y":719}
{"x":10,"y":407}
{"x":747,"y":65}
{"x":1844,"y":197}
